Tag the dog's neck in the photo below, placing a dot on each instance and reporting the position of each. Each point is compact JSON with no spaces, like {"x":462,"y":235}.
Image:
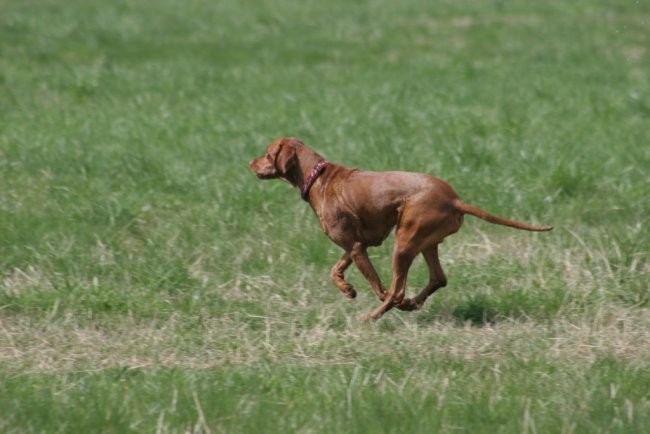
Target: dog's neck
{"x":313,"y":175}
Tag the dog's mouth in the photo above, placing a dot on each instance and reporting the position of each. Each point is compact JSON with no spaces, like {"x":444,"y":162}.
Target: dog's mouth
{"x":265,"y":175}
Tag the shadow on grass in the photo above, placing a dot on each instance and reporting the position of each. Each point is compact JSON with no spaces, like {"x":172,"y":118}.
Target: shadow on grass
{"x":483,"y":310}
{"x":477,"y":311}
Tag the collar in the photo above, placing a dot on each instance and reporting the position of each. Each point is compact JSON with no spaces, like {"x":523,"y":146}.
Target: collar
{"x":317,"y":170}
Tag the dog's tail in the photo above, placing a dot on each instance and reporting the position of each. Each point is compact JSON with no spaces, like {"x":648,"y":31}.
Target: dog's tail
{"x":477,"y":212}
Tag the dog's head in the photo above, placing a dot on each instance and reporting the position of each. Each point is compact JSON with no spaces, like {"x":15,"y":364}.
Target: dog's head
{"x":280,"y":159}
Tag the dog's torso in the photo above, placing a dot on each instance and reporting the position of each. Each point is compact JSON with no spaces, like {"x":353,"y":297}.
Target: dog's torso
{"x":369,"y":204}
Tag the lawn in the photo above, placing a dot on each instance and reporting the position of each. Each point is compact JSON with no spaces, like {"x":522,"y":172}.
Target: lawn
{"x":150,"y":283}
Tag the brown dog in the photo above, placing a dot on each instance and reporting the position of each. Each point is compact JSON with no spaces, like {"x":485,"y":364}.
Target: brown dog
{"x":358,"y":209}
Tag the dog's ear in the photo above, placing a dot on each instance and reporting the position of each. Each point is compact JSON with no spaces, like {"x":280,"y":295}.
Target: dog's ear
{"x":286,"y":158}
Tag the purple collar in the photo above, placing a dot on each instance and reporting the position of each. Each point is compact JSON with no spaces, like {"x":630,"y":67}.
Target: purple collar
{"x":311,"y":178}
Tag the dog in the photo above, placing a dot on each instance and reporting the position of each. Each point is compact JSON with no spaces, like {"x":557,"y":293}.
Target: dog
{"x":358,"y":209}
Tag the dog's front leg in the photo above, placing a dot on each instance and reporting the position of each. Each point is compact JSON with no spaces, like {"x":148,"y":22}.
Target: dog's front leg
{"x":360,"y":257}
{"x":338,"y":276}
{"x":402,"y":260}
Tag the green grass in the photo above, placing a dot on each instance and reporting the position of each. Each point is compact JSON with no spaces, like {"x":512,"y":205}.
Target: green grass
{"x":150,"y":283}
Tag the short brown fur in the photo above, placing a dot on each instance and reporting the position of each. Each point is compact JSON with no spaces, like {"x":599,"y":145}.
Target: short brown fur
{"x":358,"y":209}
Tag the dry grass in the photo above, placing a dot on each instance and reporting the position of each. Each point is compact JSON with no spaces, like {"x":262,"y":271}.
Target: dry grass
{"x":311,"y":327}
{"x":237,"y":339}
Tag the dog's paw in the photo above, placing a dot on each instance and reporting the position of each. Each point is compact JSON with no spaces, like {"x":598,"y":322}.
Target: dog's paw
{"x":367,"y":317}
{"x":408,"y":304}
{"x":349,"y":292}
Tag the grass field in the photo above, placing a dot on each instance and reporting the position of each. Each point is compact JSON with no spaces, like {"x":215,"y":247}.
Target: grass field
{"x":150,"y":283}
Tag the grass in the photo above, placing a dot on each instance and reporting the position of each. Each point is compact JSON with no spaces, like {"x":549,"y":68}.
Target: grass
{"x":149,"y":283}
